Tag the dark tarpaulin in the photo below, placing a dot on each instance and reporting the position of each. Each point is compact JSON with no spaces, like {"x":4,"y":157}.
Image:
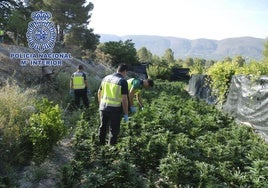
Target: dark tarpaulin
{"x":141,"y":69}
{"x":247,"y":101}
{"x":199,"y":88}
{"x":180,"y":74}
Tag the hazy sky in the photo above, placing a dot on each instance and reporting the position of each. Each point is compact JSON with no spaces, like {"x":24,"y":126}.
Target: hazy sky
{"x":192,"y":19}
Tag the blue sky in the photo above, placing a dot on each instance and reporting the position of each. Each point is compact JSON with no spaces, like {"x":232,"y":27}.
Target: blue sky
{"x":192,"y":19}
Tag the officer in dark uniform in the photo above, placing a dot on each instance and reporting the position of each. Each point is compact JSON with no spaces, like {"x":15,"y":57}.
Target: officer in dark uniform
{"x":78,"y":85}
{"x":113,"y":100}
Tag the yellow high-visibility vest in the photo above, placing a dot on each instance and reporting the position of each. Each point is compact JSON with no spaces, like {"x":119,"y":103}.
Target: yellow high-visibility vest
{"x":78,"y":81}
{"x":1,"y":32}
{"x":111,"y":92}
{"x":129,"y":83}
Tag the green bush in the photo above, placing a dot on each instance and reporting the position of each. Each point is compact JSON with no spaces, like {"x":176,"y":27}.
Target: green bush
{"x":221,"y":75}
{"x":46,"y":127}
{"x":159,"y":72}
{"x":253,"y":68}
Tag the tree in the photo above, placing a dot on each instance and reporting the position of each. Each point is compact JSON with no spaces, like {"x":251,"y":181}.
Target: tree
{"x":169,"y":56}
{"x":144,"y":55}
{"x":156,"y":60}
{"x":227,"y":59}
{"x":179,"y":61}
{"x":209,"y":63}
{"x":17,"y":24}
{"x":83,"y":38}
{"x":188,"y":62}
{"x":101,"y":57}
{"x":6,"y":7}
{"x":121,"y":52}
{"x":35,"y":5}
{"x":68,"y":14}
{"x":199,"y":61}
{"x":198,"y":66}
{"x":239,"y":60}
{"x":71,"y":18}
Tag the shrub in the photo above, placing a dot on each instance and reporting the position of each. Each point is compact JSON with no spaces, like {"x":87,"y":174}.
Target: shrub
{"x":253,"y":68}
{"x":159,"y":72}
{"x":46,"y":127}
{"x":221,"y":75}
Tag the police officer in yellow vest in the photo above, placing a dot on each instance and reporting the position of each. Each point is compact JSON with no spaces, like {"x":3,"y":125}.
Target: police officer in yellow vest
{"x":78,"y":85}
{"x":135,"y":86}
{"x":112,"y":96}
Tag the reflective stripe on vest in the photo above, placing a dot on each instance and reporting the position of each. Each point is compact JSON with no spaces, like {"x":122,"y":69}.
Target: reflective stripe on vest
{"x":78,"y":81}
{"x":111,"y":92}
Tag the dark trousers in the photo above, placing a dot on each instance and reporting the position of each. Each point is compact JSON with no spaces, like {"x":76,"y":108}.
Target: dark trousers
{"x":78,"y":94}
{"x":109,"y":120}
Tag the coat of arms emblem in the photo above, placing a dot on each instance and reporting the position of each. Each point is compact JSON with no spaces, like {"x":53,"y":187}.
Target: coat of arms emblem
{"x":41,"y":33}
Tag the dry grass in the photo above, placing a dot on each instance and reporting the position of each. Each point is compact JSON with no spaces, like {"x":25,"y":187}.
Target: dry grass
{"x":16,"y":106}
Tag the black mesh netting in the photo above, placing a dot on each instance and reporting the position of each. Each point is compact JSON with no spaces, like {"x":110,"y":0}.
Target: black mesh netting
{"x":247,"y":99}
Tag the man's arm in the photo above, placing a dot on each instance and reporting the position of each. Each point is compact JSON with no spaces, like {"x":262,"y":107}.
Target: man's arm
{"x":86,"y":84}
{"x":125,"y":104}
{"x":139,"y":100}
{"x":85,"y":81}
{"x":124,"y":92}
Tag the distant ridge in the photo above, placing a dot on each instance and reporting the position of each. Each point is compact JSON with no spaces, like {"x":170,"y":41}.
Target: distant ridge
{"x":248,"y":47}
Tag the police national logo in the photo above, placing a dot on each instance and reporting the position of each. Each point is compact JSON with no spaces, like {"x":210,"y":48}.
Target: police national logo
{"x":41,"y":36}
{"x":41,"y":33}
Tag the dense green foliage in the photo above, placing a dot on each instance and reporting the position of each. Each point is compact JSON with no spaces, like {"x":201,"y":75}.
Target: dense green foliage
{"x":29,"y":129}
{"x":175,"y":141}
{"x":159,"y":72}
{"x":221,"y":75}
{"x":144,"y":55}
{"x":46,"y":127}
{"x":163,"y":71}
{"x":120,"y":52}
{"x":6,"y":7}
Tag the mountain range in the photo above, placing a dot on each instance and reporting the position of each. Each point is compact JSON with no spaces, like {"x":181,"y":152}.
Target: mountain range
{"x":249,"y":48}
